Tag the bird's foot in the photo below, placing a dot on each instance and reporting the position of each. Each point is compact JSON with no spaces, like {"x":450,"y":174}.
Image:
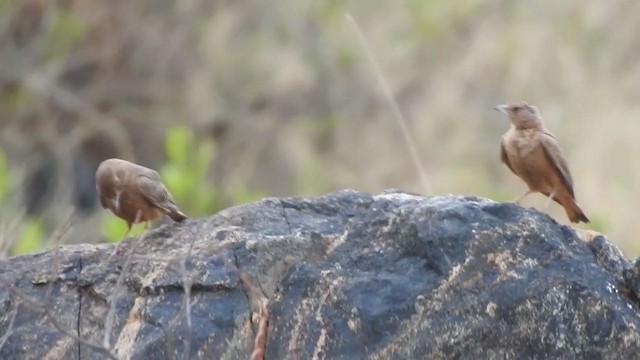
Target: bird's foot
{"x":518,"y":200}
{"x":548,"y":202}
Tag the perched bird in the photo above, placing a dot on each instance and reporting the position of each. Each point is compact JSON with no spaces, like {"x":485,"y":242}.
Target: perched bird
{"x":134,"y":193}
{"x":532,"y":153}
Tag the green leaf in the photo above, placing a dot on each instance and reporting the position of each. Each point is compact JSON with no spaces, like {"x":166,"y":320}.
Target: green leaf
{"x":175,"y":180}
{"x":64,"y":33}
{"x":206,"y":150}
{"x":599,"y":223}
{"x":114,"y":228}
{"x":205,"y":202}
{"x":178,"y":145}
{"x":4,"y":176}
{"x":31,"y":239}
{"x":245,"y":195}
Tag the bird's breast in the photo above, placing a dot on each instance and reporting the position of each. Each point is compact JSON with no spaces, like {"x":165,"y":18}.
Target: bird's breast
{"x":115,"y":201}
{"x":522,"y":143}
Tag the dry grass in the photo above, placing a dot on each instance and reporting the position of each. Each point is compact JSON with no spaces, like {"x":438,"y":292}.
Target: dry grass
{"x":285,"y":91}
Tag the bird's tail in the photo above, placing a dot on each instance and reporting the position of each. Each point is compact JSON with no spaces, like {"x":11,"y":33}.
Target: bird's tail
{"x":574,"y":212}
{"x":176,"y":215}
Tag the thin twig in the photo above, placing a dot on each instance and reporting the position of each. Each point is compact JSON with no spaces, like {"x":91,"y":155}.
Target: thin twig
{"x":57,"y":236}
{"x":186,"y":302}
{"x":168,"y":259}
{"x":113,"y":299}
{"x":261,"y":336}
{"x":8,"y":232}
{"x":402,"y":122}
{"x":186,"y":283}
{"x":35,"y":305}
{"x":254,"y":294}
{"x":44,"y":84}
{"x":181,"y":263}
{"x":9,"y":330}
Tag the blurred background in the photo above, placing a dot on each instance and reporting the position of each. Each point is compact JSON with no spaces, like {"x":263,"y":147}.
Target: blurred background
{"x":232,"y":101}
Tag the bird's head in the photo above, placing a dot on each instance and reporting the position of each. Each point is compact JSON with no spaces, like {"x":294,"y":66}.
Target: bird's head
{"x":522,"y":115}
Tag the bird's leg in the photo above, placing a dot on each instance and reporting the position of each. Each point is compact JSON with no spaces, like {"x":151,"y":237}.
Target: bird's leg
{"x":146,"y":225}
{"x":129,"y":225}
{"x":138,"y":216}
{"x":126,"y":232}
{"x":549,"y":199}
{"x":519,"y":198}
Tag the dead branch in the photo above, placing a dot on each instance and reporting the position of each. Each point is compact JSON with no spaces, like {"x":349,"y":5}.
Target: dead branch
{"x":186,"y":283}
{"x":108,"y":325}
{"x":35,"y":305}
{"x":8,"y":231}
{"x":261,"y":336}
{"x":55,"y":239}
{"x":9,"y":330}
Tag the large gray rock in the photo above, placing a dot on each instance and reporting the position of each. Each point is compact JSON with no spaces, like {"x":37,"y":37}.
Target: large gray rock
{"x":348,"y":276}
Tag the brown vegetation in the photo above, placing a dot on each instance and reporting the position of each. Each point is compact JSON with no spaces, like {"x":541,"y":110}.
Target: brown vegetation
{"x":285,"y":93}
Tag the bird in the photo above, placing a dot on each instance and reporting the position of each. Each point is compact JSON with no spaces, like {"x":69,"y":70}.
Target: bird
{"x":134,"y":193}
{"x":532,"y":153}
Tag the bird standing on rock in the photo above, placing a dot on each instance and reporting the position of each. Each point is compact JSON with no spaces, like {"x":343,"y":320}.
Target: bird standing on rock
{"x":134,"y":193}
{"x":532,"y":153}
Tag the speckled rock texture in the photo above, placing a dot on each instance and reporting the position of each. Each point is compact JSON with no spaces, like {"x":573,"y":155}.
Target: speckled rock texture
{"x":349,"y":275}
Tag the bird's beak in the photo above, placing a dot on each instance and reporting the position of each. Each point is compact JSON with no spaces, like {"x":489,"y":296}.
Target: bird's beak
{"x":502,"y":109}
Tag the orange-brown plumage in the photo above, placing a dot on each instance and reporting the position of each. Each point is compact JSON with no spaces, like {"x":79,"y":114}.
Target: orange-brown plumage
{"x":134,"y":193}
{"x":533,"y":154}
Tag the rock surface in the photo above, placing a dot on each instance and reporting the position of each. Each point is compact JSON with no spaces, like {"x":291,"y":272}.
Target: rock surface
{"x":349,"y":275}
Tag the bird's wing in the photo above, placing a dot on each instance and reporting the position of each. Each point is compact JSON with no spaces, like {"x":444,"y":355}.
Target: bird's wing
{"x":103,"y":199}
{"x":152,"y":188}
{"x":556,"y":158}
{"x":503,"y":156}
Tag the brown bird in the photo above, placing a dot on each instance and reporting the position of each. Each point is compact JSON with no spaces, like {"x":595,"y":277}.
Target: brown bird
{"x":532,"y":153}
{"x":134,"y":193}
